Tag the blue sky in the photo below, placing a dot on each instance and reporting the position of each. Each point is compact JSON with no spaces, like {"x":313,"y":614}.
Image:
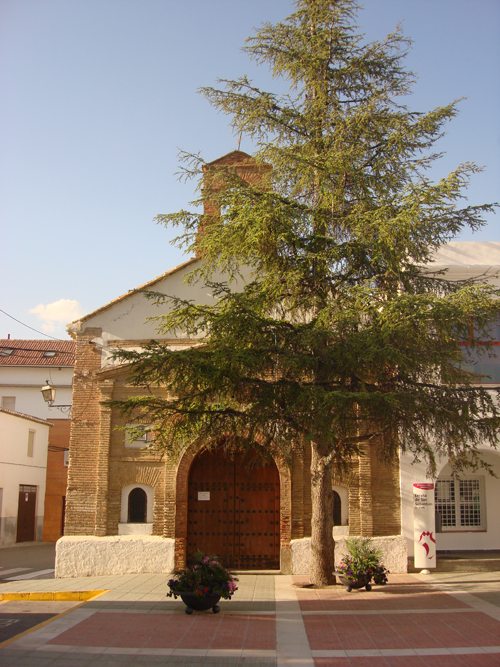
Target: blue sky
{"x":98,"y":96}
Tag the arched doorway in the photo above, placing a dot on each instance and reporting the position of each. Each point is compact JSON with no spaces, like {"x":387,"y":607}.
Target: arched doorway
{"x":234,"y":510}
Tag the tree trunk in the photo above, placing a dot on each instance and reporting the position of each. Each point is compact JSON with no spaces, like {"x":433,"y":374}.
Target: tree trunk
{"x":322,"y":542}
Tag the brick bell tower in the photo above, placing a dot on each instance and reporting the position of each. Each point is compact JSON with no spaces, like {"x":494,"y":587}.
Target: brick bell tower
{"x":217,"y":174}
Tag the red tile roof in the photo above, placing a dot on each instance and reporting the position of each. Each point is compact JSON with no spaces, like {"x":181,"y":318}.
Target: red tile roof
{"x":29,"y":417}
{"x":31,"y":352}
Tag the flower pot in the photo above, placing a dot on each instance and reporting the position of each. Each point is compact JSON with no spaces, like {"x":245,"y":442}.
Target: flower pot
{"x":194,"y":602}
{"x":351,"y":584}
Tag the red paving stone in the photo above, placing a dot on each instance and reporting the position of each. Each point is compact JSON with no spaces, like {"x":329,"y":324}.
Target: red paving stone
{"x":232,"y":634}
{"x":477,"y":660}
{"x":198,"y":631}
{"x":400,"y":631}
{"x":444,"y":629}
{"x":472,"y":660}
{"x":390,"y":598}
{"x":261,"y":633}
{"x":321,"y":634}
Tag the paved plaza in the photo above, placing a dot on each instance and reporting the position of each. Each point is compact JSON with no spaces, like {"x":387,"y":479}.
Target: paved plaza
{"x":445,"y":620}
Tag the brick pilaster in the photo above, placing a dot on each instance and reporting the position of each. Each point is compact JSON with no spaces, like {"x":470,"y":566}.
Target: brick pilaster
{"x":365,"y":491}
{"x":82,"y":479}
{"x":102,"y":463}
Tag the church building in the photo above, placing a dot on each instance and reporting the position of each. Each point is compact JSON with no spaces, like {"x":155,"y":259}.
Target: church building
{"x":132,"y":509}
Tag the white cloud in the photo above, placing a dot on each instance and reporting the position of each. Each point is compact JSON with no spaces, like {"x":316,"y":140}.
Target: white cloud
{"x":62,"y":311}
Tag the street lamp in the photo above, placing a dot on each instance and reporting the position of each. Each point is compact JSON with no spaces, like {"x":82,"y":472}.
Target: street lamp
{"x":49,"y":396}
{"x":48,"y":393}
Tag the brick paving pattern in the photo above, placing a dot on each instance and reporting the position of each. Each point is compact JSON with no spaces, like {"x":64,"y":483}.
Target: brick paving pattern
{"x":273,"y":622}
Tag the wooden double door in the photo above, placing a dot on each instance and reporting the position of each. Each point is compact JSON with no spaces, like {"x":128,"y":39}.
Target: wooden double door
{"x":234,"y":510}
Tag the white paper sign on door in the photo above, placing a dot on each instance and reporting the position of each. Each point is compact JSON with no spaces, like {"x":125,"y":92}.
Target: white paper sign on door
{"x":203,"y":495}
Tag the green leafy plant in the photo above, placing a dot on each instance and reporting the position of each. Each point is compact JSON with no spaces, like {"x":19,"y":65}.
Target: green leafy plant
{"x":362,"y":562}
{"x":205,"y":577}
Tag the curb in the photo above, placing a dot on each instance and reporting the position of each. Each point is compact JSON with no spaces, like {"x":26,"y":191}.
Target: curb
{"x":68,"y":596}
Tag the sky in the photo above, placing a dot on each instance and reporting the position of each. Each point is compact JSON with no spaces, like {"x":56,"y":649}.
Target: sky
{"x":99,"y":96}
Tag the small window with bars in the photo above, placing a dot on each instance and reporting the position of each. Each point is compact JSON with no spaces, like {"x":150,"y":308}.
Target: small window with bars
{"x":460,"y":503}
{"x":139,"y":436}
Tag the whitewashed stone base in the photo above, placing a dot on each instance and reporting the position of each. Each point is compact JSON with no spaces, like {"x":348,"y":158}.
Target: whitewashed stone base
{"x":392,"y":547}
{"x":89,"y":556}
{"x":135,"y":529}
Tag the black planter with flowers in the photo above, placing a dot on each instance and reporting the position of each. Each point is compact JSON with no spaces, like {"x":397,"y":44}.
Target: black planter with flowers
{"x":202,"y":584}
{"x":361,"y":565}
{"x":194,"y":602}
{"x":352,"y":584}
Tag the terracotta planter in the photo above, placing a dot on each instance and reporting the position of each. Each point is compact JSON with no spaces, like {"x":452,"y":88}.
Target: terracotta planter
{"x":350,"y":584}
{"x":194,"y":602}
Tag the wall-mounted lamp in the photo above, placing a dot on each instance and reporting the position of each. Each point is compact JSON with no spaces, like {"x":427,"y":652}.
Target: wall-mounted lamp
{"x":49,"y":396}
{"x":48,"y":393}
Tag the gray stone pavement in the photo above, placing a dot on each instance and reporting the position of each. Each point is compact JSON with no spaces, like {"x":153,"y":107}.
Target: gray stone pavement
{"x":258,"y":595}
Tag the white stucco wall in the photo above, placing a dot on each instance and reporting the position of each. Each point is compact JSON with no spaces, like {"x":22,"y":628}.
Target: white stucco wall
{"x":459,"y":540}
{"x":464,"y":259}
{"x":126,"y":319}
{"x":123,"y":554}
{"x":392,"y":548}
{"x":25,"y":383}
{"x":16,"y":468}
{"x":461,"y":260}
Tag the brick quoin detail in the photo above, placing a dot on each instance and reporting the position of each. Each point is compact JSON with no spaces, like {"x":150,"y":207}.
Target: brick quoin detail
{"x":81,"y":499}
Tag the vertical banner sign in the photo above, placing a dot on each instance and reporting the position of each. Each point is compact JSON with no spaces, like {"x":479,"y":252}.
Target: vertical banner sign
{"x":424,"y":525}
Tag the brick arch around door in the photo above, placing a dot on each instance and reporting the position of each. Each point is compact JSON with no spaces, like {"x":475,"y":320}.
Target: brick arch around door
{"x":241,"y":513}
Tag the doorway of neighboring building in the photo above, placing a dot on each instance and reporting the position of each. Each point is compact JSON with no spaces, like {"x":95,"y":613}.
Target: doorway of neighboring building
{"x":63,"y":514}
{"x":234,"y":510}
{"x":26,"y":517}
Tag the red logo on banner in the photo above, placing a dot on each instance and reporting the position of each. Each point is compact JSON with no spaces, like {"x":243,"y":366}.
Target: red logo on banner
{"x":424,"y":544}
{"x":425,"y":486}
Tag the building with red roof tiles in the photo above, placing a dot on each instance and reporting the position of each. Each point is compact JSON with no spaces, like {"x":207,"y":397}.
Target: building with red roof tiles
{"x":25,"y":367}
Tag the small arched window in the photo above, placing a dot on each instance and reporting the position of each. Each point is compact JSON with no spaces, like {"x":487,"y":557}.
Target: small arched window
{"x":337,"y":509}
{"x":137,"y":506}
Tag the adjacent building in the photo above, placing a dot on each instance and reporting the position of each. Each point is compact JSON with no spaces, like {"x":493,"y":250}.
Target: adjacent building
{"x":466,"y":506}
{"x":25,"y":367}
{"x":23,"y":467}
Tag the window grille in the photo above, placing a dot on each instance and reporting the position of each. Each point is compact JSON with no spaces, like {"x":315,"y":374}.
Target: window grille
{"x":462,"y":509}
{"x":470,"y":503}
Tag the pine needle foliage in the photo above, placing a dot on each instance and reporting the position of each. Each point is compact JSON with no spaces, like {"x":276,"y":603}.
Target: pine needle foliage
{"x":329,"y":325}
